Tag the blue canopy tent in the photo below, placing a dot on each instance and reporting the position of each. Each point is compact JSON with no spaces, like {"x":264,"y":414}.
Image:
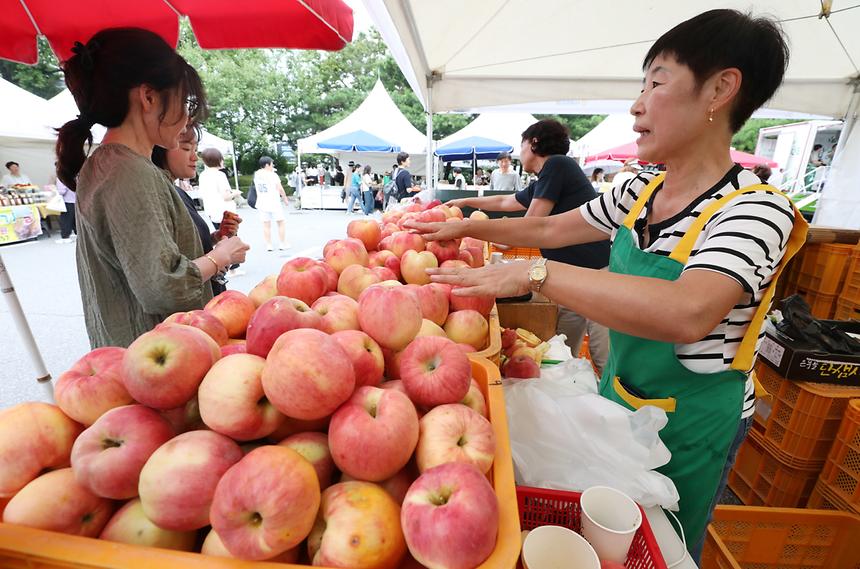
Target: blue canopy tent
{"x":358,"y":141}
{"x":472,"y":148}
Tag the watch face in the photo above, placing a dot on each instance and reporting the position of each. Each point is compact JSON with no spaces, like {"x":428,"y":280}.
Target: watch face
{"x":537,"y":273}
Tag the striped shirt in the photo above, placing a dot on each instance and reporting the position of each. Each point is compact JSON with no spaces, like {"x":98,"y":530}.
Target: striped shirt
{"x":745,"y":240}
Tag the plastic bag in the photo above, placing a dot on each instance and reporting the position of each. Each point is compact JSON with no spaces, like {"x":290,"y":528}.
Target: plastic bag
{"x":565,"y":436}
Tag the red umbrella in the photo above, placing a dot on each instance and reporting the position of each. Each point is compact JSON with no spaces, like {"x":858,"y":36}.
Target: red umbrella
{"x":627,"y":151}
{"x":224,"y":24}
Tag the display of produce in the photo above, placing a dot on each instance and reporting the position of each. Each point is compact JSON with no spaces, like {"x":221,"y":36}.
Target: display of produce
{"x":522,"y":353}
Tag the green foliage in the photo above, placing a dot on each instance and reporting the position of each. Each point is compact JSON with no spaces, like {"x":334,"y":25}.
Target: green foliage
{"x":44,"y":79}
{"x":747,"y":137}
{"x":579,"y":125}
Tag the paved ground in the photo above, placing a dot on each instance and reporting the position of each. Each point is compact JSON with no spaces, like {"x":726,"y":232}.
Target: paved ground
{"x":45,"y":277}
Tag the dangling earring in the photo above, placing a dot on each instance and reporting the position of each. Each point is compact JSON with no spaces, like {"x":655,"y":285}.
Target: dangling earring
{"x":711,"y":115}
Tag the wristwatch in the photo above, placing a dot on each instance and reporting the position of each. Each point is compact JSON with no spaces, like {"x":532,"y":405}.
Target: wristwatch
{"x":537,"y":274}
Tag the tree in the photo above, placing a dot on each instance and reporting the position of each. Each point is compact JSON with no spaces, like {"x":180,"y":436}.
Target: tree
{"x":747,"y":137}
{"x":44,"y":79}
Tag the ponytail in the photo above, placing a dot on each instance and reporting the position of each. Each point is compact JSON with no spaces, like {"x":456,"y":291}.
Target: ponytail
{"x":70,"y":150}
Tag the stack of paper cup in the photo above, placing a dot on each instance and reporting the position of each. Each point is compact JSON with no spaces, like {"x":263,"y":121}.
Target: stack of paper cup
{"x":556,"y":547}
{"x":609,"y":522}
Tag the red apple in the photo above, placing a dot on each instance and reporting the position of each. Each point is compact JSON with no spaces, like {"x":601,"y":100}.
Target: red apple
{"x":366,"y":356}
{"x":467,"y":327}
{"x":266,"y":503}
{"x":392,"y":363}
{"x":303,"y":279}
{"x":130,"y":525}
{"x":339,"y":312}
{"x":213,"y":546}
{"x":434,"y":299}
{"x":185,"y":418}
{"x":478,"y":214}
{"x":355,"y":279}
{"x":445,"y":250}
{"x":308,"y":374}
{"x":429,"y":328}
{"x":331,"y":275}
{"x":474,"y":399}
{"x":477,"y":257}
{"x":384,"y":274}
{"x":455,"y":433}
{"x":278,"y":315}
{"x":509,"y":338}
{"x":435,"y":371}
{"x":465,"y":256}
{"x":294,"y":426}
{"x":483,"y":304}
{"x":521,"y":366}
{"x":389,"y":315}
{"x":107,"y":457}
{"x":403,"y":241}
{"x":92,"y":386}
{"x":456,"y":211}
{"x":450,"y":517}
{"x":314,"y":448}
{"x":432,"y":216}
{"x":457,"y":263}
{"x":230,"y":349}
{"x":372,"y":436}
{"x":344,"y":253}
{"x":204,"y":321}
{"x":233,"y":309}
{"x":365,"y":230}
{"x":467,"y":349}
{"x":265,"y":289}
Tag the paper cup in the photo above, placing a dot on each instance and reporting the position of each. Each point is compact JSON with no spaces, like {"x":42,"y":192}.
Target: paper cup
{"x":556,"y":547}
{"x":609,"y":522}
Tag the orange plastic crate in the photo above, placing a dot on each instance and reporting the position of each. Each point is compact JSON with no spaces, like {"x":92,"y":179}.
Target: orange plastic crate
{"x":759,"y":479}
{"x":515,"y":252}
{"x":26,"y":548}
{"x":742,"y":537}
{"x":847,"y":309}
{"x":851,"y":288}
{"x":841,"y":473}
{"x":823,"y":498}
{"x":824,"y":268}
{"x":822,"y":306}
{"x":804,"y":417}
{"x":494,"y":340}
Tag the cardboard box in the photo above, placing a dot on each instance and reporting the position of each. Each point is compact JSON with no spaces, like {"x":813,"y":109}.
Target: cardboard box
{"x":538,"y":316}
{"x":798,"y":361}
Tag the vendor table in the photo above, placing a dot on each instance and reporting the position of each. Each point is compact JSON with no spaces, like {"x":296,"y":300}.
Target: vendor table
{"x":19,"y":222}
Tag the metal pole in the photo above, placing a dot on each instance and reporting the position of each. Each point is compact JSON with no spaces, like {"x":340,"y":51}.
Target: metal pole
{"x":428,"y":163}
{"x":8,"y":291}
{"x":235,"y":170}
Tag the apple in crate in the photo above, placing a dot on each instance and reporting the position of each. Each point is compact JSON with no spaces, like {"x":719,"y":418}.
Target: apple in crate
{"x":314,"y":448}
{"x":203,"y":321}
{"x":434,"y":299}
{"x":266,"y":503}
{"x":384,"y":274}
{"x":397,"y":485}
{"x":302,"y":278}
{"x":308,"y":374}
{"x":344,"y":253}
{"x":450,"y":517}
{"x":414,"y":265}
{"x":292,"y":427}
{"x":365,"y":230}
{"x":467,"y":327}
{"x":213,"y":546}
{"x":178,"y":482}
{"x":482,"y":304}
{"x":232,"y":401}
{"x":92,"y":386}
{"x":237,"y":348}
{"x":185,"y":418}
{"x":355,"y":279}
{"x":233,"y":309}
{"x":107,"y":457}
{"x":338,"y":312}
{"x":163,"y":368}
{"x":130,"y":525}
{"x":474,"y":399}
{"x":403,"y":241}
{"x":366,"y":356}
{"x":372,"y":436}
{"x":455,"y":433}
{"x":278,"y":315}
{"x":55,"y":501}
{"x":392,"y":364}
{"x":33,"y":437}
{"x":521,"y":366}
{"x":358,"y":525}
{"x":429,"y":328}
{"x":386,"y":259}
{"x":265,"y":289}
{"x":389,"y":315}
{"x":331,"y":276}
{"x":435,"y":371}
{"x":445,"y":250}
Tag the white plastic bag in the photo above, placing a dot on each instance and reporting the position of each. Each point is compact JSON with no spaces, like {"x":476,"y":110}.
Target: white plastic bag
{"x":565,"y":436}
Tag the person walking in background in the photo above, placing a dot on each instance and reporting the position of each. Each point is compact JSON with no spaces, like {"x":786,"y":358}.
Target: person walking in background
{"x":270,"y":201}
{"x":354,"y":189}
{"x":597,"y":178}
{"x":67,"y":218}
{"x":459,"y":179}
{"x":403,"y":178}
{"x":215,"y":190}
{"x":367,"y":190}
{"x":503,"y":178}
{"x":338,"y":176}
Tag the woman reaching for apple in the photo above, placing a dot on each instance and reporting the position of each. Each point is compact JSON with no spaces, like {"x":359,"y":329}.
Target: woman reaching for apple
{"x":695,"y":256}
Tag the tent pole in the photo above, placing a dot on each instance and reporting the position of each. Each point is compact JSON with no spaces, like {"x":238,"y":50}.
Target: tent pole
{"x":235,"y":170}
{"x":848,"y":124}
{"x":42,"y":375}
{"x":428,"y":162}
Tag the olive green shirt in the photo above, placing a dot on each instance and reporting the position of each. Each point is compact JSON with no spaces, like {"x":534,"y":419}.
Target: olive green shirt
{"x":136,"y":246}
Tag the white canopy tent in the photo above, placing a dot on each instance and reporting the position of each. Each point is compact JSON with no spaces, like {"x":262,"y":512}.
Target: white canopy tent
{"x":502,"y":127}
{"x":377,"y":115}
{"x":471,"y":61}
{"x":24,"y":137}
{"x":612,"y":131}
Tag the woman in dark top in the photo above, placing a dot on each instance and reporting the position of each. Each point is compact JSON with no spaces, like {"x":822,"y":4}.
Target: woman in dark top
{"x":181,"y":163}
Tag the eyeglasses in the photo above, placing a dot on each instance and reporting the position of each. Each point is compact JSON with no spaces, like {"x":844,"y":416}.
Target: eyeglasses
{"x":192,"y":105}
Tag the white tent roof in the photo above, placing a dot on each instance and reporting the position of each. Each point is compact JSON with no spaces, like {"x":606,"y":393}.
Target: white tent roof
{"x":209,"y":140}
{"x":482,"y":57}
{"x":22,"y":113}
{"x":501,"y":127}
{"x":612,"y":131}
{"x":62,"y":108}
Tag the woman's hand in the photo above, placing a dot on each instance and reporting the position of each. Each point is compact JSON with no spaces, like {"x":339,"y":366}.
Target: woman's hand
{"x":460,"y":202}
{"x":437,"y":231}
{"x":230,"y":251}
{"x":500,"y":280}
{"x":229,"y":226}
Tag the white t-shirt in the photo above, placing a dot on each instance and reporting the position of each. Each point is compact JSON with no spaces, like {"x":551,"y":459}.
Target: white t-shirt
{"x":268,"y":196}
{"x":215,"y":192}
{"x":10,"y":180}
{"x":745,"y":240}
{"x":366,"y":182}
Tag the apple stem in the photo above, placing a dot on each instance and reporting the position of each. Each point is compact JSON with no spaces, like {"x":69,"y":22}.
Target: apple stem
{"x":461,"y":441}
{"x":256,"y":519}
{"x":111,"y":443}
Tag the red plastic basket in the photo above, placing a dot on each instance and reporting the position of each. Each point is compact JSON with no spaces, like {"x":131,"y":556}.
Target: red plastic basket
{"x":544,"y":507}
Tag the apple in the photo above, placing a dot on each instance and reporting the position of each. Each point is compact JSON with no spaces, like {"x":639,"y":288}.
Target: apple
{"x":178,"y":482}
{"x":314,"y":448}
{"x":308,"y":374}
{"x":108,"y":456}
{"x":457,"y":263}
{"x":389,"y":315}
{"x":445,"y":250}
{"x":266,"y":503}
{"x":338,"y":312}
{"x":355,"y":279}
{"x":388,"y":230}
{"x":55,"y":501}
{"x":390,"y":283}
{"x":292,"y":426}
{"x":478,"y":214}
{"x":344,"y":253}
{"x":366,"y":356}
{"x":230,"y":349}
{"x":434,"y":299}
{"x":474,"y":399}
{"x":276,"y":316}
{"x":204,"y":321}
{"x":432,"y":216}
{"x":392,"y":364}
{"x":232,"y":401}
{"x":483,"y":303}
{"x":367,"y":231}
{"x":92,"y":386}
{"x":130,"y":525}
{"x":521,"y":366}
{"x":467,"y":349}
{"x":456,"y":211}
{"x":384,"y":274}
{"x":213,"y":546}
{"x":467,"y":327}
{"x":429,"y":328}
{"x":330,"y":274}
{"x":509,"y":338}
{"x":372,"y":436}
{"x":302,"y":278}
{"x":386,"y":259}
{"x":472,"y":243}
{"x":435,"y":371}
{"x":477,"y":256}
{"x":358,"y":525}
{"x":163,"y":367}
{"x":397,"y":485}
{"x":465,"y":256}
{"x":402,"y":241}
{"x":414,"y":265}
{"x":33,"y":437}
{"x":391,"y":216}
{"x":450,"y":517}
{"x":185,"y":418}
{"x":233,"y":309}
{"x":455,"y":433}
{"x":265,"y":289}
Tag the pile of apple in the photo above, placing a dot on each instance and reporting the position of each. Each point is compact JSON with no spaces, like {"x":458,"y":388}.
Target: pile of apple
{"x":522,"y":353}
{"x":224,"y":430}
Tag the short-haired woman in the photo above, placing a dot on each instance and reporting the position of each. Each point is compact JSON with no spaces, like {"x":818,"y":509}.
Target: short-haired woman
{"x":366,"y":187}
{"x":215,"y":190}
{"x":696,"y":251}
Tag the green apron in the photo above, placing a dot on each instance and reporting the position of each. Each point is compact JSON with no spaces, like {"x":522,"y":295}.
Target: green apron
{"x":703,"y":408}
